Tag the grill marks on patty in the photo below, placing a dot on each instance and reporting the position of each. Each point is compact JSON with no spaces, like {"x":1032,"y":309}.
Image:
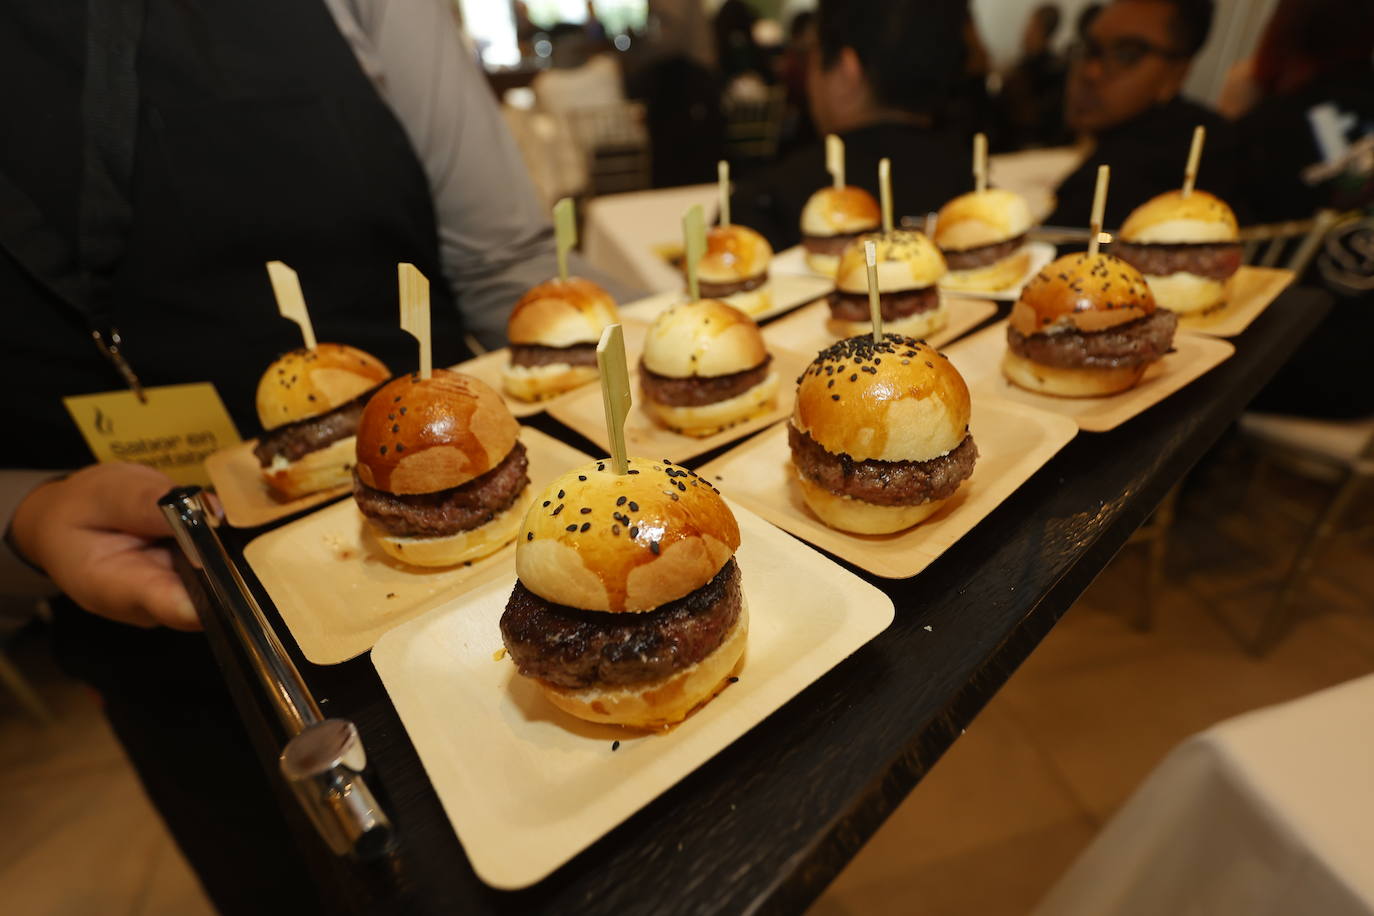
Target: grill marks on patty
{"x":1217,"y":261}
{"x":854,"y":306}
{"x":982,"y":256}
{"x":832,"y":244}
{"x":583,"y":354}
{"x":448,"y":511}
{"x":883,"y":483}
{"x":711,"y":290}
{"x":1131,"y":344}
{"x":699,"y":390}
{"x":576,"y":648}
{"x":296,"y":440}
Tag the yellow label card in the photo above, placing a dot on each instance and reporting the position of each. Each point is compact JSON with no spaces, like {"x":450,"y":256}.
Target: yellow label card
{"x":174,"y":431}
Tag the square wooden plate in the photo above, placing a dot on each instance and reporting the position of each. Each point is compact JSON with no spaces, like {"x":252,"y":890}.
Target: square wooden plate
{"x":1041,"y":253}
{"x":248,"y":501}
{"x":526,"y":786}
{"x":643,"y":434}
{"x":338,"y":592}
{"x":788,"y":291}
{"x":1013,"y":443}
{"x":807,"y":329}
{"x":489,"y":366}
{"x":1252,"y":290}
{"x":979,"y":359}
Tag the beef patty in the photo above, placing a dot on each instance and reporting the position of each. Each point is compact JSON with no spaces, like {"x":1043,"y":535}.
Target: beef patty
{"x":533,"y":355}
{"x":699,"y":390}
{"x":1131,"y":344}
{"x":982,"y":256}
{"x":575,"y":648}
{"x":854,"y":306}
{"x":831,"y":244}
{"x":711,"y":290}
{"x":296,"y":440}
{"x":448,"y":511}
{"x":883,"y":483}
{"x":1216,"y":261}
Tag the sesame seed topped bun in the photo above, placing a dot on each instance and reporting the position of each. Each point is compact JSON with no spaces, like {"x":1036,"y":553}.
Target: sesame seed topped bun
{"x":981,"y":218}
{"x":1172,"y":219}
{"x":703,"y":338}
{"x":306,"y":383}
{"x":906,"y":260}
{"x":840,"y":211}
{"x":1083,"y":292}
{"x":560,"y":313}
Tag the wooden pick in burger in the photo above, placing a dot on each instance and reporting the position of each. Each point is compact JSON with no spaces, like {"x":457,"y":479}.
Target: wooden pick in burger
{"x":1099,"y":205}
{"x":415,"y":313}
{"x":885,"y":192}
{"x":875,"y":309}
{"x":693,"y":247}
{"x":834,"y":159}
{"x":615,"y":392}
{"x":723,"y":189}
{"x":564,"y":233}
{"x":286,"y":287}
{"x":1194,"y":158}
{"x":980,"y":162}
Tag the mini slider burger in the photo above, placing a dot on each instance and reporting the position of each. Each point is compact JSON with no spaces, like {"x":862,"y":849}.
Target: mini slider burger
{"x":983,"y":237}
{"x":441,"y":474}
{"x":705,"y":368}
{"x":309,"y":402}
{"x":879,"y":434}
{"x":1187,"y":248}
{"x":831,"y":220}
{"x":1085,"y":326}
{"x":734,"y":268}
{"x":628,"y":608}
{"x":910,"y":268}
{"x":553,"y":331}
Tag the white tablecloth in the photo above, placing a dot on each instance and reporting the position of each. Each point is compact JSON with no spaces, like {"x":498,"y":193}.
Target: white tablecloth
{"x":1270,"y":813}
{"x":621,"y":232}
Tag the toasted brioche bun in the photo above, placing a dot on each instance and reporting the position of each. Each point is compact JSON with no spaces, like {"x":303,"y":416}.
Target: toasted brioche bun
{"x":981,"y":218}
{"x":703,"y":338}
{"x":1188,"y":294}
{"x":1069,"y":383}
{"x":425,"y":435}
{"x":606,"y":568}
{"x":839,"y":211}
{"x":662,"y":702}
{"x":322,"y":469}
{"x":752,"y":301}
{"x":906,"y":260}
{"x":827,"y":265}
{"x":914,"y":408}
{"x":708,"y":419}
{"x":734,"y":253}
{"x":994,"y":277}
{"x":849,"y":514}
{"x":307,"y":383}
{"x":450,"y":550}
{"x":538,"y":383}
{"x":1084,"y":292}
{"x":919,"y":325}
{"x":1172,"y":219}
{"x":561,"y":314}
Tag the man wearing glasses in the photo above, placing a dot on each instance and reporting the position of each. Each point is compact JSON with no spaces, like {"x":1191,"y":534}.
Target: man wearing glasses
{"x":1126,"y":73}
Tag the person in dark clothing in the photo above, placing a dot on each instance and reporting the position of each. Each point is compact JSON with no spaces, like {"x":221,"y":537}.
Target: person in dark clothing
{"x":1032,"y":97}
{"x":877,"y":79}
{"x":1124,"y":82}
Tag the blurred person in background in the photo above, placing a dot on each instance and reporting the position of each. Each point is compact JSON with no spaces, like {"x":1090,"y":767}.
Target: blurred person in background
{"x":744,"y":69}
{"x":1032,"y":98}
{"x":797,"y":127}
{"x":1126,"y":74}
{"x":880,"y":77}
{"x":1307,"y":97}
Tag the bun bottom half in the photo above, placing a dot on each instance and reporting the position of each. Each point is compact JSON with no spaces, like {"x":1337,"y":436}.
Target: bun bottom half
{"x":322,"y":469}
{"x":854,"y":515}
{"x":450,"y":550}
{"x":537,"y":383}
{"x":824,"y":264}
{"x":995,"y":277}
{"x":919,"y":325}
{"x":1188,"y":294}
{"x":1069,"y":383}
{"x":663,"y":702}
{"x":751,"y":302}
{"x":709,"y":419}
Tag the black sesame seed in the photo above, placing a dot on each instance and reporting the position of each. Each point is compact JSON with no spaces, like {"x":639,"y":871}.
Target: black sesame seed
{"x":571,"y":528}
{"x":581,"y":476}
{"x":653,"y":546}
{"x":834,"y":397}
{"x":561,"y":494}
{"x":395,"y":427}
{"x":620,"y":501}
{"x":546,"y":503}
{"x":734,"y":680}
{"x":634,"y":506}
{"x":529,"y":535}
{"x":633,"y":471}
{"x":615,"y":745}
{"x":391,"y":416}
{"x":383,"y":449}
{"x":634,"y":532}
{"x":558,"y":510}
{"x":615,"y":529}
{"x":400,"y":447}
{"x":403,"y":411}
{"x":586,"y":525}
{"x":585,"y":510}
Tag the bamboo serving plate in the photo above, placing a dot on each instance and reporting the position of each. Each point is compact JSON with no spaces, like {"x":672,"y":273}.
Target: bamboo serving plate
{"x":1252,"y":290}
{"x":1013,"y":443}
{"x":787,"y":291}
{"x":247,"y":499}
{"x":808,"y":330}
{"x":527,"y":786}
{"x":338,"y":592}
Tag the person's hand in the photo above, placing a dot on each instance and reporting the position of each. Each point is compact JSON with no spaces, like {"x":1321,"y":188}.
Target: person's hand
{"x":94,"y":533}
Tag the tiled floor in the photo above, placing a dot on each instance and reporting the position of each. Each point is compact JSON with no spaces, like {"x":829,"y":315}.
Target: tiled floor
{"x":997,"y":820}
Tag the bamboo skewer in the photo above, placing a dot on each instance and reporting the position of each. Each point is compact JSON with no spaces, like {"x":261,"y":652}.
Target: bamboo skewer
{"x":723,"y":180}
{"x":980,"y":162}
{"x":1099,"y":206}
{"x":1194,"y":159}
{"x":693,"y":247}
{"x":875,"y":308}
{"x":286,"y":287}
{"x":615,"y":392}
{"x":564,"y":233}
{"x":834,"y":159}
{"x":885,"y":191}
{"x":415,"y":313}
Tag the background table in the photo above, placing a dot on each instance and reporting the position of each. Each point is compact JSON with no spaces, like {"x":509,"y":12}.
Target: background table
{"x":770,"y":821}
